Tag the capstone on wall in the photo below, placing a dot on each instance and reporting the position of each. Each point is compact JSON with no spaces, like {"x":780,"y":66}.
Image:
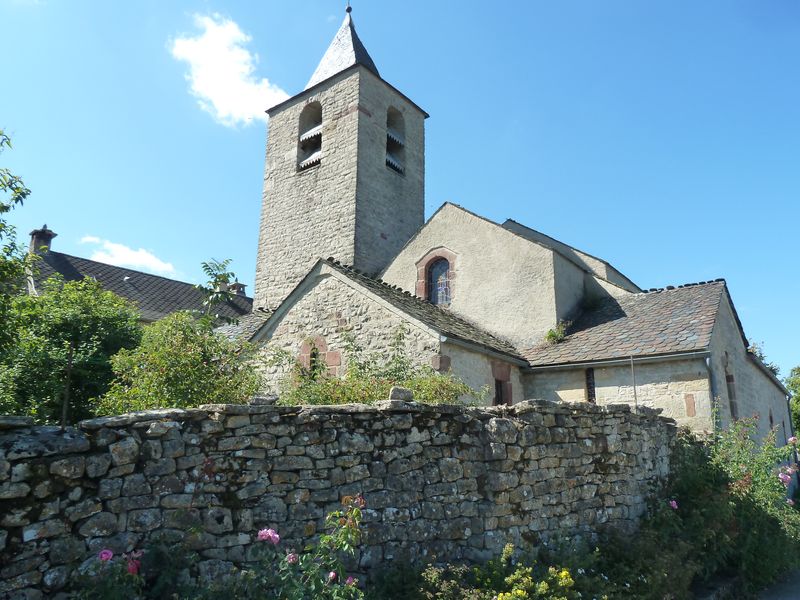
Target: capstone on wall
{"x":680,"y":388}
{"x":755,"y":393}
{"x":452,"y":482}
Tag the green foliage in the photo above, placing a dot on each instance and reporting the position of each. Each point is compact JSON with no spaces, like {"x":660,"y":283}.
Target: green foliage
{"x":111,"y":577}
{"x":180,"y":363}
{"x":757,"y":350}
{"x":12,"y":189}
{"x":317,"y":573}
{"x":558,"y":334}
{"x":724,"y":511}
{"x":216,"y":288}
{"x":15,"y":262}
{"x":499,"y":579}
{"x":369,"y":379}
{"x":792,"y":383}
{"x":65,"y":338}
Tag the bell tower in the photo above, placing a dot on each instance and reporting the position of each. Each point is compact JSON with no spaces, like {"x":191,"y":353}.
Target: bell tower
{"x":344,"y":175}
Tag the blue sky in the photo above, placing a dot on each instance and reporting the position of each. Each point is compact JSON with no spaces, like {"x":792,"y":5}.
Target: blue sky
{"x":662,"y":136}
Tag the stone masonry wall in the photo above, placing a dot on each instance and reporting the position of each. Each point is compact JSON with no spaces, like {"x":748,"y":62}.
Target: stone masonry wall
{"x":327,"y":314}
{"x":309,"y":214}
{"x":448,"y":482}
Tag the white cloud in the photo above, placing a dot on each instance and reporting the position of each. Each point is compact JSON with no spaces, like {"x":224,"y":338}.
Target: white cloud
{"x":122,"y":256}
{"x":222,"y":72}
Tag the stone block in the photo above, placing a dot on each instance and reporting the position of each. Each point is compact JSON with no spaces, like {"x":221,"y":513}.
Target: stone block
{"x":124,"y":452}
{"x":136,"y":485}
{"x":71,"y":467}
{"x":144,"y":520}
{"x":101,"y":524}
{"x":43,"y":530}
{"x":97,"y":465}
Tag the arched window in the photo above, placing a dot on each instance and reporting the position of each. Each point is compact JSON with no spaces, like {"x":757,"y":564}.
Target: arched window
{"x":309,"y":145}
{"x":395,"y":140}
{"x":439,"y":282}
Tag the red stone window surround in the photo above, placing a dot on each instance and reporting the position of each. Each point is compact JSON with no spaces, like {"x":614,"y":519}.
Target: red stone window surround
{"x":316,"y":345}
{"x":501,"y":372}
{"x":424,"y":264}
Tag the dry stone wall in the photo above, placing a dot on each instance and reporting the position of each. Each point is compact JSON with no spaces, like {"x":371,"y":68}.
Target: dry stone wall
{"x":448,"y":482}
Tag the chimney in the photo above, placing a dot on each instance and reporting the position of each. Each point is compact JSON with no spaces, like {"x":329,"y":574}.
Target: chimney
{"x":237,"y":288}
{"x":41,"y":238}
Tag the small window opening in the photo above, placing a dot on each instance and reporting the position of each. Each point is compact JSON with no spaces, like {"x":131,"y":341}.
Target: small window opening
{"x":730,"y":383}
{"x":500,"y":393}
{"x":771,"y":419}
{"x":309,"y":146}
{"x":439,"y":282}
{"x":395,"y":140}
{"x":591,"y":391}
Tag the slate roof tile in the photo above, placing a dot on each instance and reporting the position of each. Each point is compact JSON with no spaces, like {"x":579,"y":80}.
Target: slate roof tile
{"x":155,"y":296}
{"x":441,"y":319}
{"x":652,"y":323}
{"x":345,"y":50}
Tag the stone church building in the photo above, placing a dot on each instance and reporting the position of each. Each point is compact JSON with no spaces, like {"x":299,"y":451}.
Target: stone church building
{"x":344,"y":250}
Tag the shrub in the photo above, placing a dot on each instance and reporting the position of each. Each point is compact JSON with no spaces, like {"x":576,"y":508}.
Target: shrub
{"x":180,"y":363}
{"x":317,"y":572}
{"x":557,"y":334}
{"x":368,"y":379}
{"x":112,"y":576}
{"x":61,"y":359}
{"x":723,"y":512}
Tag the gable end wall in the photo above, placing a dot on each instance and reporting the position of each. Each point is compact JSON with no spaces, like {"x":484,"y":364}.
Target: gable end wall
{"x":755,"y":392}
{"x":502,"y":280}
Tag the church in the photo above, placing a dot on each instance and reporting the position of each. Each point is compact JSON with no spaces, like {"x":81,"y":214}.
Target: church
{"x":344,"y":250}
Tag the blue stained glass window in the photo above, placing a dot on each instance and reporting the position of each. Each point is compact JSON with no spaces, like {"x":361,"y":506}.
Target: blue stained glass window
{"x":439,"y":282}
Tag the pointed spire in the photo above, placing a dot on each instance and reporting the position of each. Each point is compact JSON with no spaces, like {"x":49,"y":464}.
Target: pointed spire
{"x":345,"y":51}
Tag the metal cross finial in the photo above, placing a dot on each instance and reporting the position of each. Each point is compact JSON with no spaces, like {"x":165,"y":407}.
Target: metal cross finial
{"x":349,"y":8}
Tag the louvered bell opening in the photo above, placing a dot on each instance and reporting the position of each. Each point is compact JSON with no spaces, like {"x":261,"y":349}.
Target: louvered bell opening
{"x":393,"y":163}
{"x":311,"y":133}
{"x":312,"y":160}
{"x":395,"y":136}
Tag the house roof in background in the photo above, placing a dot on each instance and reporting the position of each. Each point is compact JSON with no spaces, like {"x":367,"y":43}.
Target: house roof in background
{"x":155,"y":296}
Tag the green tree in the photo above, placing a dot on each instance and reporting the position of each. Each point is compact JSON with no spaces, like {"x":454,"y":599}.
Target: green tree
{"x":792,"y":383}
{"x":216,"y":289}
{"x":757,"y":349}
{"x":61,"y":359}
{"x":14,"y":261}
{"x":180,"y":363}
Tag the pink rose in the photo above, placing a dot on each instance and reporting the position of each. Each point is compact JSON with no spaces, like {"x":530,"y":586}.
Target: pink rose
{"x":331,"y":576}
{"x":792,"y":440}
{"x":785,"y":478}
{"x":106,"y":555}
{"x":269,"y":535}
{"x":350,"y":580}
{"x":292,"y":558}
{"x":673,"y":504}
{"x":790,"y":502}
{"x":133,"y":566}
